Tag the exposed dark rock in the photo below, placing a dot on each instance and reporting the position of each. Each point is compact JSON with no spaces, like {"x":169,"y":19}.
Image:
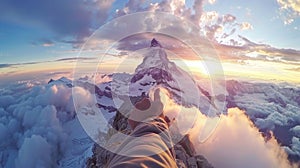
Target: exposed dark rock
{"x":155,"y":43}
{"x":108,"y":108}
{"x":51,"y":80}
{"x":162,"y":74}
{"x":187,"y":145}
{"x":158,"y":74}
{"x":202,"y":162}
{"x":106,"y":92}
{"x":185,"y":152}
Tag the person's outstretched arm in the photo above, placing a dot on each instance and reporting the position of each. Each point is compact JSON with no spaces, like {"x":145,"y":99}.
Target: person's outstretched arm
{"x":150,"y":143}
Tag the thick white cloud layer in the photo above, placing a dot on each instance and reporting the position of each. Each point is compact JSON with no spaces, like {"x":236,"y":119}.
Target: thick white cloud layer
{"x":236,"y":142}
{"x":31,"y":123}
{"x":32,"y":118}
{"x":35,"y":147}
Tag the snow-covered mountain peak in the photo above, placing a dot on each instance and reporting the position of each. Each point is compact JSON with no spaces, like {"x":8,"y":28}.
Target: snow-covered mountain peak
{"x":155,"y":56}
{"x":157,"y":69}
{"x":62,"y":80}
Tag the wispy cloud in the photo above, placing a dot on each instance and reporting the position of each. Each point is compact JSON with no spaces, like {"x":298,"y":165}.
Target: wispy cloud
{"x":18,"y":64}
{"x":243,"y":49}
{"x":43,"y":42}
{"x":134,"y":43}
{"x":5,"y":65}
{"x":40,"y":62}
{"x":245,"y":26}
{"x":75,"y":59}
{"x":294,"y":69}
{"x":57,"y":73}
{"x":246,"y":49}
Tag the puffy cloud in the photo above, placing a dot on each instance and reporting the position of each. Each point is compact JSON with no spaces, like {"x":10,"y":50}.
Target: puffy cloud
{"x":211,"y":31}
{"x":296,"y":130}
{"x":177,"y":6}
{"x":211,"y":1}
{"x":102,"y":8}
{"x":229,"y":141}
{"x":32,"y":117}
{"x":35,"y":152}
{"x":277,"y":118}
{"x":133,"y":6}
{"x":198,"y":8}
{"x":216,"y":27}
{"x":296,"y":145}
{"x":228,"y":18}
{"x":3,"y":132}
{"x":209,"y":16}
{"x":289,"y":9}
{"x":245,"y":26}
{"x":236,"y":142}
{"x":6,"y":100}
{"x":44,"y":43}
{"x":83,"y":97}
{"x":271,"y":107}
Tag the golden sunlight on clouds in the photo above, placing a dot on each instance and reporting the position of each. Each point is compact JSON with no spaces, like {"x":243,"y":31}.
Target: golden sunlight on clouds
{"x":245,"y":26}
{"x":40,"y":72}
{"x":236,"y":142}
{"x":193,"y":67}
{"x":231,"y":140}
{"x":209,"y":16}
{"x":290,"y":9}
{"x":122,"y":64}
{"x":263,"y":70}
{"x":36,"y":68}
{"x":292,"y":4}
{"x":251,"y":69}
{"x":176,"y":5}
{"x":211,"y":1}
{"x":243,"y":69}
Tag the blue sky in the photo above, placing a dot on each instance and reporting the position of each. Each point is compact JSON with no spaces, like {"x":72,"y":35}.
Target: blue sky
{"x":265,"y":17}
{"x":23,"y":40}
{"x":37,"y":31}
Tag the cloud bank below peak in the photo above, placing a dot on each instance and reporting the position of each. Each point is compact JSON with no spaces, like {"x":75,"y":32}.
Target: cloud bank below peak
{"x":238,"y":143}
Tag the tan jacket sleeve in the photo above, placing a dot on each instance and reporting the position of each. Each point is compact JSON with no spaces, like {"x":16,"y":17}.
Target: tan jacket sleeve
{"x":149,"y":145}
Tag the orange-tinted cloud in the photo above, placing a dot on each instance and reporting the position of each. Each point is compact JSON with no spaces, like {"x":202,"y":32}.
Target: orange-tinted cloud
{"x":236,"y":142}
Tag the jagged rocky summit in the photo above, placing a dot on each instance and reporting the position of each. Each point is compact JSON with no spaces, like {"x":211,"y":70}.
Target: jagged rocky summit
{"x":155,"y":43}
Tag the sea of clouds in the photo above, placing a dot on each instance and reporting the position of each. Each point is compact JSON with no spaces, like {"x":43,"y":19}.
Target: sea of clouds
{"x":37,"y":122}
{"x":32,"y":123}
{"x":234,"y":142}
